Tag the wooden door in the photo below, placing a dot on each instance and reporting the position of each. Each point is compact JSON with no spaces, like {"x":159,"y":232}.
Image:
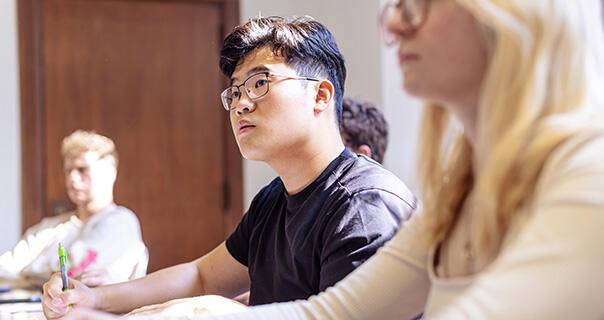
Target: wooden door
{"x":144,"y":73}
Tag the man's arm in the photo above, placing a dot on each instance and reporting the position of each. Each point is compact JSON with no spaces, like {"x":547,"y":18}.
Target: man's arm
{"x":33,"y":246}
{"x":215,"y":273}
{"x":220,"y":274}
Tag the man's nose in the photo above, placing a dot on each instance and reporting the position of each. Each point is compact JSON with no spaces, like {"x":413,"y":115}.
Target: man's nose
{"x":74,"y":175}
{"x":245,"y":104}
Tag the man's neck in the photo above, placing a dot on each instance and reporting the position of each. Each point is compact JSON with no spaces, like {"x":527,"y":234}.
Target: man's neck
{"x":301,"y":168}
{"x":87,"y":210}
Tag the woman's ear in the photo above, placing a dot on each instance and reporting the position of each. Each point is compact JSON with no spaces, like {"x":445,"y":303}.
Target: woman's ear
{"x":324,"y":95}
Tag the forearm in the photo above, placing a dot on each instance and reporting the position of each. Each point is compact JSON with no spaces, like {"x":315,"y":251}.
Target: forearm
{"x":179,"y":281}
{"x":13,"y":262}
{"x":8,"y":268}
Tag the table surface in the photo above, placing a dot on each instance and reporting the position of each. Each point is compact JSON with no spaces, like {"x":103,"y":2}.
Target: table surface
{"x":23,"y":310}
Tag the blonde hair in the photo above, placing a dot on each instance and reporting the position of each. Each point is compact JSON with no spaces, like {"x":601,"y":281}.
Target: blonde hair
{"x":81,"y":141}
{"x":542,"y":86}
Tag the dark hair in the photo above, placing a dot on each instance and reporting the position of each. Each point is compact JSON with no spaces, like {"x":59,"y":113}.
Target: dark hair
{"x":364,"y":123}
{"x":305,"y":44}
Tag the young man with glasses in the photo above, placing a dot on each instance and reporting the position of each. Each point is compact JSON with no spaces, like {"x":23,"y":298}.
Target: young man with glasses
{"x":327,"y":212}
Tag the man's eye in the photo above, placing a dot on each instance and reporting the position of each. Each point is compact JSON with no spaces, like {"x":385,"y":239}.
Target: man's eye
{"x":260,"y":83}
{"x":235,"y":95}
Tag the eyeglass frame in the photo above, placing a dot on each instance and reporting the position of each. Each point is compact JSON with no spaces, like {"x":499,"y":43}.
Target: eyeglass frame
{"x":404,"y":15}
{"x":247,"y":92}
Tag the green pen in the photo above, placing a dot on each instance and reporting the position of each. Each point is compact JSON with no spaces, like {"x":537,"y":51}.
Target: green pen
{"x":63,"y":263}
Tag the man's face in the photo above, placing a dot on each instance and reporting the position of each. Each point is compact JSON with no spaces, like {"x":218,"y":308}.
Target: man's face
{"x":279,"y":122}
{"x":88,"y":178}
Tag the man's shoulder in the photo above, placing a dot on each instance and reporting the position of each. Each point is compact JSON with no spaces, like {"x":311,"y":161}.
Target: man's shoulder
{"x":117,"y":213}
{"x":55,"y":220}
{"x":115,"y":220}
{"x":52,"y":222}
{"x":364,"y":174}
{"x":118,"y":209}
{"x":274,"y":189}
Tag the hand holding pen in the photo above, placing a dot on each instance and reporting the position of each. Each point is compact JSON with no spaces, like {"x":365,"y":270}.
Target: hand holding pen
{"x":60,"y":292}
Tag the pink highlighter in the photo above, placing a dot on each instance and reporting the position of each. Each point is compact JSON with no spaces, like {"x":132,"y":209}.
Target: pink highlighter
{"x":90,"y":257}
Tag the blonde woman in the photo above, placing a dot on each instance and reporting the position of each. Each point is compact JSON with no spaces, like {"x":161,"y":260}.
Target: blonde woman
{"x":512,"y":166}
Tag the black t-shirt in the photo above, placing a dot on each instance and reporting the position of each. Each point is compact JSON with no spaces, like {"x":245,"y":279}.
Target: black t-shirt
{"x":298,"y":245}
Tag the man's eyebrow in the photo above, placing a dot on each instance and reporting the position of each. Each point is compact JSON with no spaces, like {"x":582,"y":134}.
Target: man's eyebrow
{"x":257,"y":69}
{"x":250,"y":72}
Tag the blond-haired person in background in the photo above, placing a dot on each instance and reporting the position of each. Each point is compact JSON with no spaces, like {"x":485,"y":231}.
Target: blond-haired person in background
{"x":98,"y":230}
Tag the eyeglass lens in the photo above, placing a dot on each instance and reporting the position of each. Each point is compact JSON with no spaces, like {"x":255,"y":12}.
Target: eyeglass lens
{"x":255,"y":86}
{"x":411,"y":12}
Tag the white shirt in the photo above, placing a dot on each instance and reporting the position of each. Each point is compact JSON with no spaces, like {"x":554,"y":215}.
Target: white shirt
{"x":114,"y":234}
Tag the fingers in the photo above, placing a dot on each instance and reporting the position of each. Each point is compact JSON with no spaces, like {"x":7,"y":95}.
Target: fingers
{"x":54,"y":286}
{"x":52,"y":311}
{"x":94,"y":277}
{"x":52,"y":303}
{"x":55,"y":302}
{"x":57,"y":306}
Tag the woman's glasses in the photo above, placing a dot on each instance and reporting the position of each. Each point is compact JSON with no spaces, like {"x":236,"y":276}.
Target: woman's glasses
{"x":411,"y":12}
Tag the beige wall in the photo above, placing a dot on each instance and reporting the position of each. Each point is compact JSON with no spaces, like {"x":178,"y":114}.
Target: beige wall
{"x":10,"y":169}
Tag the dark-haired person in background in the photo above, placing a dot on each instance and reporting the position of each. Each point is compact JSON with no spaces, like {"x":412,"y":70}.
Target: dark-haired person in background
{"x":327,"y":212}
{"x":364,"y":129}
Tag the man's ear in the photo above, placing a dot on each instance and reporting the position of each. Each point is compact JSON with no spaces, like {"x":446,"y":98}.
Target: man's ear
{"x":324,"y":95}
{"x":364,"y":149}
{"x":110,"y":168}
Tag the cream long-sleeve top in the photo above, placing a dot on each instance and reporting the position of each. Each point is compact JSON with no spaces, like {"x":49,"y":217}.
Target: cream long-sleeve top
{"x":553,"y":268}
{"x":113,"y":233}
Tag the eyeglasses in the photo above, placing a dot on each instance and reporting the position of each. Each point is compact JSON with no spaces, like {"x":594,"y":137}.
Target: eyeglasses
{"x":256,"y":87}
{"x":412,"y":12}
